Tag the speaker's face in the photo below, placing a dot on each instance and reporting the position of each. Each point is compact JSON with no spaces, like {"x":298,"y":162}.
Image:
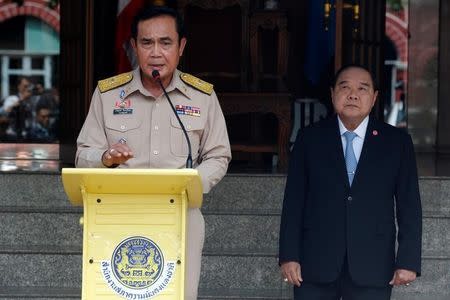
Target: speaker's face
{"x":158,"y":47}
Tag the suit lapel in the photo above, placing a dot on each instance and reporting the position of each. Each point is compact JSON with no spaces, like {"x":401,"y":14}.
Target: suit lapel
{"x":368,"y":152}
{"x":336,"y":151}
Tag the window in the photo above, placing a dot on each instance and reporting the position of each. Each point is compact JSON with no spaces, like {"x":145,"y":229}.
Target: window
{"x":396,"y":62}
{"x":412,"y":35}
{"x":29,"y":97}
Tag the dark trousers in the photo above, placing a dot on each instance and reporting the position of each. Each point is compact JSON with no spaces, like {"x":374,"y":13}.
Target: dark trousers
{"x":343,"y":288}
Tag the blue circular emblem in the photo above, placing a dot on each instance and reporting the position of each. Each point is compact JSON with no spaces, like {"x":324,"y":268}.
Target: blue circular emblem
{"x":137,"y":262}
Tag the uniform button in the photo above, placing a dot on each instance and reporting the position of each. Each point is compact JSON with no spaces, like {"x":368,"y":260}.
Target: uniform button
{"x":349,"y":198}
{"x":188,"y":126}
{"x":122,"y":127}
{"x":156,"y":127}
{"x":155,"y":152}
{"x":157,"y":104}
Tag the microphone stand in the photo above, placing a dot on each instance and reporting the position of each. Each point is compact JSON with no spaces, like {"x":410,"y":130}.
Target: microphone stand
{"x":156,"y":75}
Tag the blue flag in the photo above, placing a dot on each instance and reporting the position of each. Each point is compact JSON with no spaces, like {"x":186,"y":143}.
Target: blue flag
{"x":320,"y":42}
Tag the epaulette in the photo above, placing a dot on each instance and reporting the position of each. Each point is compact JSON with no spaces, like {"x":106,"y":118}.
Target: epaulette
{"x":113,"y":82}
{"x":197,"y":83}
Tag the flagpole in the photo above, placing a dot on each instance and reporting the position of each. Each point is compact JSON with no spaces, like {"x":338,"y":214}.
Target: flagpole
{"x":338,"y":42}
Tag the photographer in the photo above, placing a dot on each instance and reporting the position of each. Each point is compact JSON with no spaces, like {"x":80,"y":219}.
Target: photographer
{"x":17,"y":109}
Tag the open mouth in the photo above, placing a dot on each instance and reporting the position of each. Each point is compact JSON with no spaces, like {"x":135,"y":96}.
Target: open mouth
{"x":156,"y":67}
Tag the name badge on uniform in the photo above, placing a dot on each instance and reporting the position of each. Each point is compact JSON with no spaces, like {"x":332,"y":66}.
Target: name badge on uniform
{"x":122,"y":107}
{"x":187,"y":110}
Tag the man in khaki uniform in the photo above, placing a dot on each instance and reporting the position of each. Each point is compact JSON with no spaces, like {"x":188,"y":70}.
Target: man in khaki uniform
{"x":130,"y":123}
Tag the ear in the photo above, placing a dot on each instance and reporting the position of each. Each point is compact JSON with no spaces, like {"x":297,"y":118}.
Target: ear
{"x":183,"y":42}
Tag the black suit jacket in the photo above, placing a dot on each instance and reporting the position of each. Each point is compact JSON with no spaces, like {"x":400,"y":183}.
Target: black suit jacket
{"x":324,"y":219}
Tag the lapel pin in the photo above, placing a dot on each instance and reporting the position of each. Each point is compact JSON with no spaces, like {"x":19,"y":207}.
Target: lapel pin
{"x":375,"y":132}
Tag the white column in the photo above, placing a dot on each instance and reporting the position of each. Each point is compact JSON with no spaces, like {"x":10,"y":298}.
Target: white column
{"x":26,"y":65}
{"x":5,"y":76}
{"x":47,"y":71}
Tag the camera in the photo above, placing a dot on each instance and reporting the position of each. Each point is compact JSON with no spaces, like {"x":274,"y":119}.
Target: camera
{"x":31,"y":88}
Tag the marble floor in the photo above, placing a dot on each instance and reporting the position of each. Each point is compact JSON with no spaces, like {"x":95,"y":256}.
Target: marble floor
{"x":45,"y":158}
{"x":29,"y":157}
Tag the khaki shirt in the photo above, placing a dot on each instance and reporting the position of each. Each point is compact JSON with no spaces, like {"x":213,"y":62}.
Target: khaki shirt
{"x":152,"y":131}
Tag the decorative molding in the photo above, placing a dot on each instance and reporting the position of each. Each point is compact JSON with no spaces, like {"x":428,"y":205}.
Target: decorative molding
{"x":36,"y":9}
{"x":215,"y":4}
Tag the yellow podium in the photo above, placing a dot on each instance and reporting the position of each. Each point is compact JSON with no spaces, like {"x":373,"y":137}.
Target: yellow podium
{"x":134,"y":230}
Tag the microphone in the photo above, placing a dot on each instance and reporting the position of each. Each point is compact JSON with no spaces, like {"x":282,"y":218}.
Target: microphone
{"x":157,"y":77}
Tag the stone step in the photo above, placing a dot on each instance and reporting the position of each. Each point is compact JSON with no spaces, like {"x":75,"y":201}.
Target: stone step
{"x":54,"y":277}
{"x":432,"y":285}
{"x":246,"y":193}
{"x":240,"y":272}
{"x":436,"y":235}
{"x":40,"y":240}
{"x":50,"y":229}
{"x":435,"y":195}
{"x":250,"y":193}
{"x":39,"y":293}
{"x":236,"y":294}
{"x":224,"y":233}
{"x":33,"y":190}
{"x":259,"y":239}
{"x":401,"y":295}
{"x":64,"y":271}
{"x":45,"y":293}
{"x":37,"y":270}
{"x":235,"y":193}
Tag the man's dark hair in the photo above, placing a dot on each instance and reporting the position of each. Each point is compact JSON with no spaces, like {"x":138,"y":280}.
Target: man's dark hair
{"x":152,"y":11}
{"x":42,"y":105}
{"x":20,"y":78}
{"x":350,"y":66}
{"x":46,"y":101}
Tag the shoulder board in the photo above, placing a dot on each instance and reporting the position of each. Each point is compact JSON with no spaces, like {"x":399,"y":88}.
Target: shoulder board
{"x":197,"y":83}
{"x":113,"y":82}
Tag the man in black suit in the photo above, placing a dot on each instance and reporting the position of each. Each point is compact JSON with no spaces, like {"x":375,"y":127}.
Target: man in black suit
{"x":350,"y":178}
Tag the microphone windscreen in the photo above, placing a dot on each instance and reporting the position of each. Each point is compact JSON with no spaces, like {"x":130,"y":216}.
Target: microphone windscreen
{"x":155,"y":74}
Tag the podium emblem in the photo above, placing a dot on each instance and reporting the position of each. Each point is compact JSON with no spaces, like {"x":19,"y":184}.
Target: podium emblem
{"x":137,"y":269}
{"x":137,"y":262}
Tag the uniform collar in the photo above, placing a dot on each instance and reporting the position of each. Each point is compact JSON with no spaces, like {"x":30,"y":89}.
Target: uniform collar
{"x":175,"y":84}
{"x":135,"y":85}
{"x":179,"y":84}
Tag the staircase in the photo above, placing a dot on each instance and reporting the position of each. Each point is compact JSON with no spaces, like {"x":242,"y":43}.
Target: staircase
{"x":240,"y":255}
{"x":40,"y":240}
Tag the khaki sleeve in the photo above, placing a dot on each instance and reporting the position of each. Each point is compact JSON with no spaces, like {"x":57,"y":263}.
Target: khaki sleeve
{"x":215,"y":152}
{"x":92,"y":142}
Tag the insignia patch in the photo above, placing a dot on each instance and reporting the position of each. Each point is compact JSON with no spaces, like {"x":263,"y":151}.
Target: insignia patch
{"x":122,"y":111}
{"x":187,"y":110}
{"x":123,"y":104}
{"x":137,"y":269}
{"x":113,"y":82}
{"x":197,"y":83}
{"x":123,"y":107}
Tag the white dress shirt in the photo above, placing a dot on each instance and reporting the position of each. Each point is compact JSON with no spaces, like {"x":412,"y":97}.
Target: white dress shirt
{"x":358,"y":141}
